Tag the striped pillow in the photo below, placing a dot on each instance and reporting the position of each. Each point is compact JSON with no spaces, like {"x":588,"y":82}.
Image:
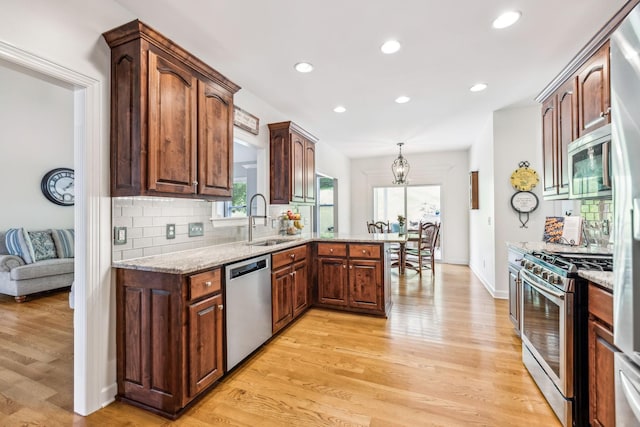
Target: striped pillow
{"x":17,"y":242}
{"x":64,"y":241}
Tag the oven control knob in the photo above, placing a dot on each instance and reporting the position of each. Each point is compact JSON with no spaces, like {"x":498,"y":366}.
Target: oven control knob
{"x":529,"y":265}
{"x":556,"y":280}
{"x":537,"y":270}
{"x":545,"y":275}
{"x":522,"y":262}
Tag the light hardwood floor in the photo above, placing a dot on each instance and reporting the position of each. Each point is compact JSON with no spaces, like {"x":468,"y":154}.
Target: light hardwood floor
{"x":447,"y":356}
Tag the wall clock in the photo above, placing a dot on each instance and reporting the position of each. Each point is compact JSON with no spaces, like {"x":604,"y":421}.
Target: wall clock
{"x":523,"y":178}
{"x":57,"y":186}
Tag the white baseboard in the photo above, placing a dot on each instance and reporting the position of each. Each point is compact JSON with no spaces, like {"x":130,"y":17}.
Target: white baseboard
{"x":108,"y":394}
{"x":489,"y":287}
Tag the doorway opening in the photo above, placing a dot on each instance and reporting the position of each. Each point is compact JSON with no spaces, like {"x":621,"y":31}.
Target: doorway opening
{"x":326,"y":212}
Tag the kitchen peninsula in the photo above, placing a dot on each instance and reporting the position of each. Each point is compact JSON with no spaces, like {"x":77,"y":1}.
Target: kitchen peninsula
{"x":171,"y":308}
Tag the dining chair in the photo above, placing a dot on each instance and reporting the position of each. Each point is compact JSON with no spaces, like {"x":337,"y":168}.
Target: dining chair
{"x":423,"y":256}
{"x":395,"y":254}
{"x":378,"y":227}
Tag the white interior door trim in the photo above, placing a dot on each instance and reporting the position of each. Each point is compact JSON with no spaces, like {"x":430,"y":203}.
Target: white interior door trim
{"x":90,"y":352}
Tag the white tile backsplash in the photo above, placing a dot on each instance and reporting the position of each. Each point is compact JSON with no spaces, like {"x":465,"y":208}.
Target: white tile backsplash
{"x":146,"y":219}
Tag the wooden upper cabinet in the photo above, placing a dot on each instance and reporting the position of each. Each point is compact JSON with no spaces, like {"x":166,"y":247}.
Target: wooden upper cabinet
{"x":549,"y":147}
{"x":292,"y":164}
{"x":594,"y":104}
{"x":215,"y":127}
{"x":567,"y":107}
{"x":172,"y":127}
{"x":171,"y":119}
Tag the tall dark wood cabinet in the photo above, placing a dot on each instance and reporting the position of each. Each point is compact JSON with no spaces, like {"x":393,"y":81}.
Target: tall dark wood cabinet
{"x":171,"y":119}
{"x":289,"y":286}
{"x":292,"y":160}
{"x":169,"y":337}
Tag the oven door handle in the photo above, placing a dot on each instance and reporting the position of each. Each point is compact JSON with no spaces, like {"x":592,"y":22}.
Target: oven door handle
{"x":543,"y":289}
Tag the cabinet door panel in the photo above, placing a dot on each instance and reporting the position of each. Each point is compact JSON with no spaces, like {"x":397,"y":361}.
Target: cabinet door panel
{"x":549,"y":147}
{"x":310,"y":171}
{"x":281,"y":298}
{"x":567,"y":131}
{"x":297,"y":168}
{"x":279,"y":168}
{"x":215,"y":130}
{"x":332,"y":281}
{"x":514,"y":299}
{"x":593,"y":86}
{"x":172,"y":127}
{"x":205,"y":344}
{"x":300,"y":288}
{"x":365,"y":280}
{"x":601,"y":376}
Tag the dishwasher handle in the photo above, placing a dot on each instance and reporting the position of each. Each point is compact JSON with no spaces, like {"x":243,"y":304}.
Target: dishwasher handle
{"x":248,"y":268}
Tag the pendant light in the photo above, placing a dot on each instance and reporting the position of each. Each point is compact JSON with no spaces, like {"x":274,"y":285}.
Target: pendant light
{"x":400,"y":167}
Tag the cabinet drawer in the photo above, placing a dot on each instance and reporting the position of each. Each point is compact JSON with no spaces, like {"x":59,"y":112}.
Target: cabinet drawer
{"x":288,"y":256}
{"x":332,"y":249}
{"x":206,"y":283}
{"x":364,"y":251}
{"x":601,"y":304}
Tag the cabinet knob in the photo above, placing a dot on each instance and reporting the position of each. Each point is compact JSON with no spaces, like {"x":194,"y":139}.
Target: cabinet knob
{"x":344,"y":265}
{"x":207,"y":284}
{"x":292,"y":256}
{"x":351,"y":267}
{"x":364,"y":251}
{"x":195,"y":183}
{"x":331,"y":250}
{"x":221,"y":307}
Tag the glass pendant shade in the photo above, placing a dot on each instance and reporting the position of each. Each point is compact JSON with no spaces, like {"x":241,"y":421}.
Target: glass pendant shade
{"x":400,"y":167}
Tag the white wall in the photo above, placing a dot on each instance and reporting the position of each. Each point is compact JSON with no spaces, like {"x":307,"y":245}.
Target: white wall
{"x":511,"y":136}
{"x":36,"y":135}
{"x":447,"y":169}
{"x":482,"y":221}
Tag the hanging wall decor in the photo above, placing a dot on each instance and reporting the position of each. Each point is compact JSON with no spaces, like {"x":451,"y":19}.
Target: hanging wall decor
{"x":524,"y":201}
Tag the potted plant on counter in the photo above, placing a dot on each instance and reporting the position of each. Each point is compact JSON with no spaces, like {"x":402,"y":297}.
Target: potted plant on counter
{"x":401,"y":224}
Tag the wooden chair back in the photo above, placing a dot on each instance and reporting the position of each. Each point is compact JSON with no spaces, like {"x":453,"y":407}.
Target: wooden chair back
{"x":378,"y":227}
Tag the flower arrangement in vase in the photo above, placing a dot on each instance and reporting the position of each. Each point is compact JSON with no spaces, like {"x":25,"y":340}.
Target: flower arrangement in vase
{"x":401,"y":223}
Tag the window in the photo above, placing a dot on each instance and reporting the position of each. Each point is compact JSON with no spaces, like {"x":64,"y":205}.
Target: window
{"x":417,"y":203}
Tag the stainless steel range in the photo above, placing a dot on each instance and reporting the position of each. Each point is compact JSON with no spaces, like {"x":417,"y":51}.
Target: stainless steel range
{"x":554,"y":329}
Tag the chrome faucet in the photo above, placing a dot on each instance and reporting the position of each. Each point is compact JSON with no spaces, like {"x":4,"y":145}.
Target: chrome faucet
{"x":252,"y":222}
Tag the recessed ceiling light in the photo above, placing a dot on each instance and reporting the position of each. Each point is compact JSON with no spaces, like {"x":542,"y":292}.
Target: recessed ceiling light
{"x":390,"y":46}
{"x":402,"y":99}
{"x":507,"y":19}
{"x":478,"y":87}
{"x":339,"y":109}
{"x":303,"y":67}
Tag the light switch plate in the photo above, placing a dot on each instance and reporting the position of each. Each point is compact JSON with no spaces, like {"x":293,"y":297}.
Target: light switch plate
{"x":119,"y":235}
{"x":171,"y":231}
{"x":196,"y":229}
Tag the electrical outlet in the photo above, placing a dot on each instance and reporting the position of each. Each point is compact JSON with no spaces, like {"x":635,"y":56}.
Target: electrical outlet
{"x":196,"y":229}
{"x":119,"y":235}
{"x":171,"y":231}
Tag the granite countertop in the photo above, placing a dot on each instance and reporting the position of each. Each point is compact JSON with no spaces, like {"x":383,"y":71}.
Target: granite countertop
{"x":602,"y":278}
{"x":192,"y":260}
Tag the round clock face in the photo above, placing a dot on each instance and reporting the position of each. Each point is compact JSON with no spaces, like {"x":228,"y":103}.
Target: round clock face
{"x":524,"y":201}
{"x":57,"y":186}
{"x":524,"y":179}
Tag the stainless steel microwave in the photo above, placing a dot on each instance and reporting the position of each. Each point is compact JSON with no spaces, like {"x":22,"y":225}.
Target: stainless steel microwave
{"x":590,"y":165}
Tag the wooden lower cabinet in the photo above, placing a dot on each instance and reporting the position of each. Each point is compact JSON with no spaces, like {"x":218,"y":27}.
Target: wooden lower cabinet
{"x":289,"y":286}
{"x":352,"y":277}
{"x":169,"y":337}
{"x":601,"y":358}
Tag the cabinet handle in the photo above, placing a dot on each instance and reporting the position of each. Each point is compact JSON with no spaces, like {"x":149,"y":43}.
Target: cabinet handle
{"x":221,"y":307}
{"x":606,"y":113}
{"x":207,"y":284}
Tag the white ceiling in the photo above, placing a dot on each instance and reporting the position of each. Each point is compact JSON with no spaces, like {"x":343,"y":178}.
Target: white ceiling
{"x":447,"y":46}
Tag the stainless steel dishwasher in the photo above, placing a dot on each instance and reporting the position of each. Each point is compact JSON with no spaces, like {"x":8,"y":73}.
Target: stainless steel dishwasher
{"x":248,"y":294}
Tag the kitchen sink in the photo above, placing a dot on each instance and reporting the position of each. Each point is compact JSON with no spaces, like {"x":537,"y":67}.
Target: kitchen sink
{"x":270,"y":242}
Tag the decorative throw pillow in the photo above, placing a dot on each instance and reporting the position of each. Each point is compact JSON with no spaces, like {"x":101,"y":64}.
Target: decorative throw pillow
{"x":17,"y":244}
{"x":64,"y":241}
{"x":42,"y":244}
